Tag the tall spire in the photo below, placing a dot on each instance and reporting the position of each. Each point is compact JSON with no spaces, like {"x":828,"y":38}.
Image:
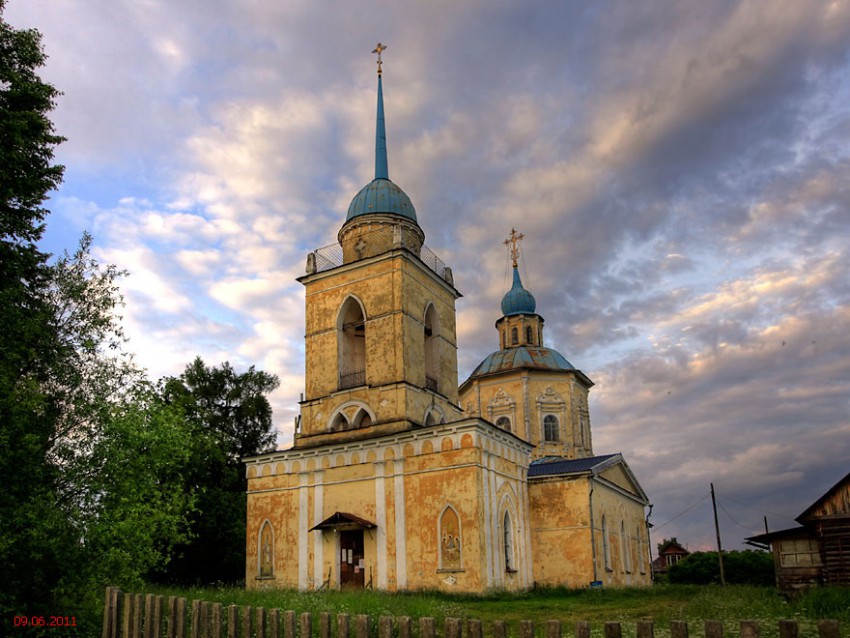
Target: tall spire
{"x":380,"y":196}
{"x":381,"y":168}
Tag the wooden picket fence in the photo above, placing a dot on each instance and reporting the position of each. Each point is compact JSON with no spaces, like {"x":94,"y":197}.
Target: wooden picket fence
{"x":128,"y":615}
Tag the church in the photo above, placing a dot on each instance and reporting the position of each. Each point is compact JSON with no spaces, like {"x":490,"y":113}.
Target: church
{"x":401,"y":479}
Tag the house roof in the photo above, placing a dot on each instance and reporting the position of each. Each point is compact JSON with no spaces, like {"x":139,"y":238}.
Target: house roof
{"x":671,"y":545}
{"x":812,"y":509}
{"x":599,"y":468}
{"x":769,"y":537}
{"x":804,"y":518}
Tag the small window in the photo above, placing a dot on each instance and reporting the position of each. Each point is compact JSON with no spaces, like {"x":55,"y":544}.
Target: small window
{"x":514,"y":336}
{"x":641,"y":561}
{"x":529,"y":335}
{"x":625,"y":549}
{"x":550,"y":427}
{"x":266,"y":554}
{"x":606,"y":548}
{"x":509,"y":544}
{"x":504,"y":423}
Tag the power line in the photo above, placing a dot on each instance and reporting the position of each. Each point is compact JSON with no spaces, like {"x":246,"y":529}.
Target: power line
{"x":790,"y":518}
{"x":682,"y":513}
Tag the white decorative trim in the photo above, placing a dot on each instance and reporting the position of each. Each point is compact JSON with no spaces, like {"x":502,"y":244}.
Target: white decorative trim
{"x":381,"y":523}
{"x":400,"y":525}
{"x":303,"y":538}
{"x":488,"y":532}
{"x":318,"y":517}
{"x":440,"y":420}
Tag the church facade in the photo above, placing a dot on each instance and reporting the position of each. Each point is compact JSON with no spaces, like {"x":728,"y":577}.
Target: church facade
{"x":398,"y":478}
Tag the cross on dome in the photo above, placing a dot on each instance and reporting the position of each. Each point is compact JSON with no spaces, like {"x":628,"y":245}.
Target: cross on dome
{"x":513,"y":240}
{"x":380,"y":48}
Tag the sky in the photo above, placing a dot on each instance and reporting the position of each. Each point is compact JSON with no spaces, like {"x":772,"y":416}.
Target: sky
{"x":681,"y":171}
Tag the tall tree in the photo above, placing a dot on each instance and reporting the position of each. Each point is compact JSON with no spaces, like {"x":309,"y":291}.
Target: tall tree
{"x":231,"y":417}
{"x":33,"y":533}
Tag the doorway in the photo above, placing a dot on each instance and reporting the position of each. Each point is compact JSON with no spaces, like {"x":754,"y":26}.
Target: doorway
{"x":352,"y":565}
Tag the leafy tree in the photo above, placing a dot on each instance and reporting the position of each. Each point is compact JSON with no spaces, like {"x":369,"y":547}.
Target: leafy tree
{"x":230,"y":417}
{"x":747,"y":567}
{"x":132,"y":504}
{"x":93,"y":462}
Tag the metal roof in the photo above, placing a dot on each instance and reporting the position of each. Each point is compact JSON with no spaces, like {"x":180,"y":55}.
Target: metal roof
{"x":551,"y":466}
{"x":343,"y":520}
{"x":381,"y":196}
{"x":533,"y":357}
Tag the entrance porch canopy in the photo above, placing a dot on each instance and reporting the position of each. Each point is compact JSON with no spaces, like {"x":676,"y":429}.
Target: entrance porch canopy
{"x":343,"y":521}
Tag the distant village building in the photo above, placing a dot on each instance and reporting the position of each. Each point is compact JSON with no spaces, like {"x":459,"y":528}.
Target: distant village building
{"x":398,"y":478}
{"x":670,"y":552}
{"x":818,"y":552}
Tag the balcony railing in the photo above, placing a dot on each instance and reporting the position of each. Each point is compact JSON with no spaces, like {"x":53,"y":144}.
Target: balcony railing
{"x":330,"y":257}
{"x":352,"y":379}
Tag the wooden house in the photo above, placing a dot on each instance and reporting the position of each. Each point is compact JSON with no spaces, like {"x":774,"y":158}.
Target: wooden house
{"x":817,"y":552}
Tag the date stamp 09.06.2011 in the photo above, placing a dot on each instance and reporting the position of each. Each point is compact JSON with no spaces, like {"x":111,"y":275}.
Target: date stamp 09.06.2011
{"x":46,"y":622}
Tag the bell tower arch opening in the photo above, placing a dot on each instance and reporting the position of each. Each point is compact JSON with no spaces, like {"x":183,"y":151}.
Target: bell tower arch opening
{"x":351,"y":331}
{"x":432,"y":348}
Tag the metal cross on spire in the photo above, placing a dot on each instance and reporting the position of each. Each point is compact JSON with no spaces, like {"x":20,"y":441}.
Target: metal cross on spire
{"x":379,"y":49}
{"x":513,"y":239}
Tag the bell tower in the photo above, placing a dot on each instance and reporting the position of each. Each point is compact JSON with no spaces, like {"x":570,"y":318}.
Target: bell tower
{"x":380,"y":338}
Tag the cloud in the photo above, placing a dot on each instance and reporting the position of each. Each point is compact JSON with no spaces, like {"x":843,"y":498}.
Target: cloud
{"x":680,"y":170}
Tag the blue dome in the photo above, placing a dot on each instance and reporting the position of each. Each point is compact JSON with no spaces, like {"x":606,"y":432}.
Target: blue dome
{"x":517,"y":301}
{"x":534,"y":357}
{"x":381,"y":196}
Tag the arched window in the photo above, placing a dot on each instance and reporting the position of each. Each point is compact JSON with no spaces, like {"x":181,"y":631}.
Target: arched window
{"x":362,"y":419}
{"x":509,"y":542}
{"x":625,"y":558}
{"x":351,"y":327}
{"x":451,"y":548}
{"x":339,"y":423}
{"x":434,"y":417}
{"x":265,"y":555}
{"x":606,"y":548}
{"x":514,"y":336}
{"x":504,"y":423}
{"x":639,"y":545}
{"x":550,"y":427}
{"x":432,"y":348}
{"x":529,"y":335}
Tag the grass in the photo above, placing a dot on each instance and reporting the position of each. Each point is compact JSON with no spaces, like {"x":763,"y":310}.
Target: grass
{"x":660,"y":604}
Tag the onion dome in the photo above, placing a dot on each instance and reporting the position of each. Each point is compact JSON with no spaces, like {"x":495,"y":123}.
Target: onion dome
{"x":518,"y":301}
{"x":381,"y":195}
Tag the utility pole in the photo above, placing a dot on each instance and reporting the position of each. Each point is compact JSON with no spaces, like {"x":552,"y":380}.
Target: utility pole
{"x":717,"y":531}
